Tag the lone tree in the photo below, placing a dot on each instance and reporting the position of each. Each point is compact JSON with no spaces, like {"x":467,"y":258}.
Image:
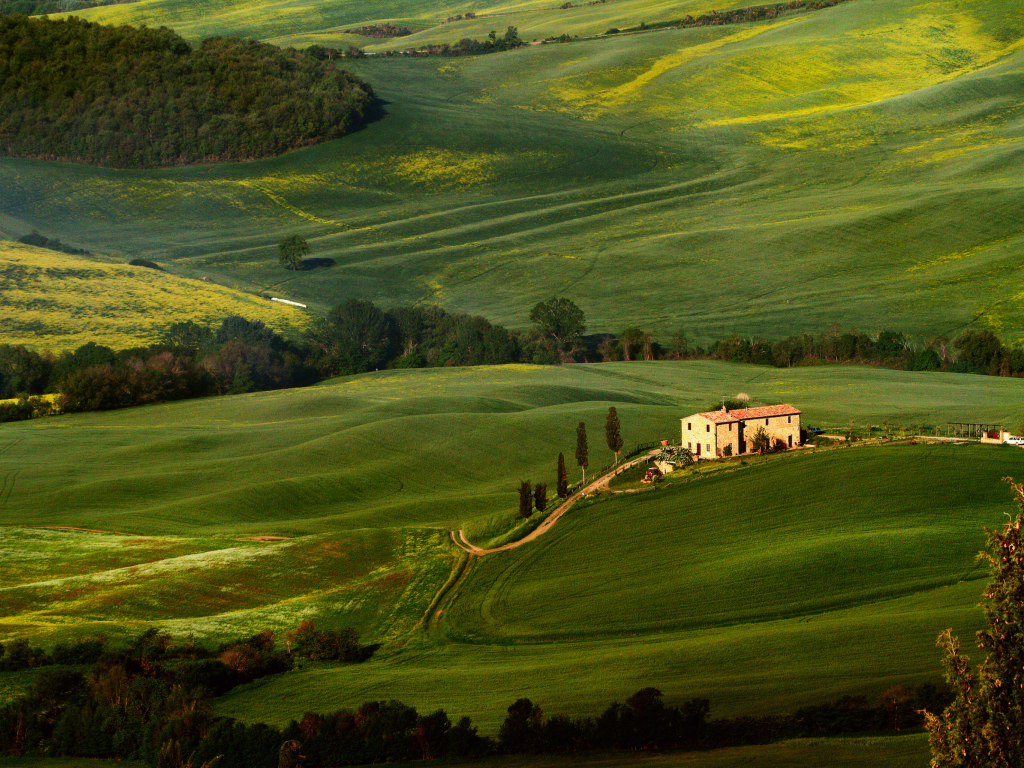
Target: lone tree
{"x":540,"y":496}
{"x":761,"y":442}
{"x":611,"y":433}
{"x":560,"y":321}
{"x":291,"y":250}
{"x":563,"y":478}
{"x":525,"y":499}
{"x":984,"y":726}
{"x":582,"y":457}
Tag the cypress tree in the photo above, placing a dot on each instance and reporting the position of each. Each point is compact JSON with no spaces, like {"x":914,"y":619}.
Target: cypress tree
{"x":540,"y":497}
{"x":582,"y":457}
{"x":611,"y":432}
{"x":525,"y":499}
{"x":563,"y":478}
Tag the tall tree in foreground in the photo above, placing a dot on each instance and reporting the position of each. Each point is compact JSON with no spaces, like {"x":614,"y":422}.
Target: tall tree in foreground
{"x":611,"y":432}
{"x":984,"y":726}
{"x":525,"y":499}
{"x":582,"y":456}
{"x":563,"y":478}
{"x":291,"y":250}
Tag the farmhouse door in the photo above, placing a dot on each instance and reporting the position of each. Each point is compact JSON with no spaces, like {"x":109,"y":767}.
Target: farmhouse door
{"x":741,"y":444}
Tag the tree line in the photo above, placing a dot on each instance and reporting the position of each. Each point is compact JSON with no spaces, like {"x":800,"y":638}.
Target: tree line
{"x":467,"y":46}
{"x":357,"y":336}
{"x":151,"y":701}
{"x":193,"y":360}
{"x":735,"y":16}
{"x":142,"y":98}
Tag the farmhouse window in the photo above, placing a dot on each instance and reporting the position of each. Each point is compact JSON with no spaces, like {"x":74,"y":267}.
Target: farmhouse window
{"x":730,"y":427}
{"x":766,"y":422}
{"x":707,"y":427}
{"x":789,"y":419}
{"x":689,"y":427}
{"x":709,"y":447}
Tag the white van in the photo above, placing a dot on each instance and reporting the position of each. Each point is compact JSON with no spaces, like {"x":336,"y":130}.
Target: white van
{"x":1013,"y":440}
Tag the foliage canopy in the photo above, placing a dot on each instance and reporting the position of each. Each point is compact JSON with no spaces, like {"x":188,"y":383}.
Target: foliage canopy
{"x":291,"y":250}
{"x":140,"y":98}
{"x":559,"y":320}
{"x":984,"y":726}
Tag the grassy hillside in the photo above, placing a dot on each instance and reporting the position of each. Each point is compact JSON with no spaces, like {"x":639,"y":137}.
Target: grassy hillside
{"x":761,"y":178}
{"x":717,"y":588}
{"x":282,"y":22}
{"x":697,"y":553}
{"x":366,"y":475}
{"x":57,"y":301}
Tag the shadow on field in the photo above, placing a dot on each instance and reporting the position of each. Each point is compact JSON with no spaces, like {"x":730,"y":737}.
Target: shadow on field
{"x":366,"y":652}
{"x":308,"y":264}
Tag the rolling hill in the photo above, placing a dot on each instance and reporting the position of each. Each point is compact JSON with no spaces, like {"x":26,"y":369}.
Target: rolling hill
{"x":55,"y":301}
{"x":858,"y":164}
{"x":333,"y":503}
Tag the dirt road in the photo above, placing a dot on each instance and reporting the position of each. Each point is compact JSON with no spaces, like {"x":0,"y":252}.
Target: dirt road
{"x":599,"y":484}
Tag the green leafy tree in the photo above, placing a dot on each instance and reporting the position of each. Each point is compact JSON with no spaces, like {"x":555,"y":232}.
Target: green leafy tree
{"x":291,"y":250}
{"x":187,"y":334}
{"x":582,"y":455}
{"x":761,"y":442}
{"x":984,"y":726}
{"x":525,"y":499}
{"x":612,"y":433}
{"x":563,"y":478}
{"x":559,"y":321}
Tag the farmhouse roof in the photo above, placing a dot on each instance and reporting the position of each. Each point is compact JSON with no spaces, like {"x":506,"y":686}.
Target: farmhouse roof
{"x":723,"y":417}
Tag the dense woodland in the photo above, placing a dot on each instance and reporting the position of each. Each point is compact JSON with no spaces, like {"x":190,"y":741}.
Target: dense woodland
{"x":152,"y":700}
{"x":139,"y":98}
{"x":357,"y":336}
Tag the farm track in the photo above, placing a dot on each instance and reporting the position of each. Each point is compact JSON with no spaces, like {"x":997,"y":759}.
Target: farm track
{"x":602,"y":484}
{"x":593,"y":487}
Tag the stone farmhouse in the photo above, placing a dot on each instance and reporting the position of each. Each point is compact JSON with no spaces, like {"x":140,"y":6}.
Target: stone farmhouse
{"x":707,"y":434}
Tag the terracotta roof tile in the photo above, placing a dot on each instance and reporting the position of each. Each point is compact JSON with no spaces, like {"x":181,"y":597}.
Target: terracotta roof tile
{"x":723,"y":417}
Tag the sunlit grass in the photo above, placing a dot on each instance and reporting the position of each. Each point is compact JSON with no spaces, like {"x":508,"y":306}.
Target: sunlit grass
{"x":56,"y":301}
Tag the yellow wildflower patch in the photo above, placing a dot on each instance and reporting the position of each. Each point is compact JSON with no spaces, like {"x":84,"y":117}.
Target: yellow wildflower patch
{"x":56,"y":301}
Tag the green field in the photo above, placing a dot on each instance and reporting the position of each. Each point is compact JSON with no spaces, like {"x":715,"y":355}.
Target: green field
{"x":779,"y":584}
{"x":860,"y":164}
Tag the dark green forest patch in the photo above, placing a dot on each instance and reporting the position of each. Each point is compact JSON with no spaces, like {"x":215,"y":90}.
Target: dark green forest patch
{"x":142,"y":98}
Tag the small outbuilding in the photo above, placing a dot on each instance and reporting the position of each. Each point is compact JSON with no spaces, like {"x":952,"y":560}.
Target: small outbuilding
{"x":708,"y":434}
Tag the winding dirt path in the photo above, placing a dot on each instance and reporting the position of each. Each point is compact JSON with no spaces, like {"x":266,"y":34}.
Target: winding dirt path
{"x":599,"y":484}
